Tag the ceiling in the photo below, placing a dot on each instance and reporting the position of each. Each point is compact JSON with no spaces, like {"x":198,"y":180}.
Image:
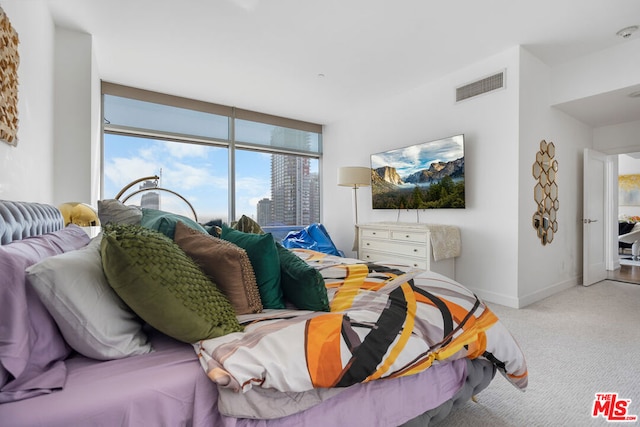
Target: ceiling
{"x":319,"y":60}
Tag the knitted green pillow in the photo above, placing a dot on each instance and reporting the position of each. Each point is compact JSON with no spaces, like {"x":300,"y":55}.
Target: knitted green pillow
{"x":163,"y":286}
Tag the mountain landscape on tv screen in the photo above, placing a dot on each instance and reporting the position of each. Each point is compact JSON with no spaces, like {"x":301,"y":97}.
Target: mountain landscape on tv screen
{"x":399,"y":182}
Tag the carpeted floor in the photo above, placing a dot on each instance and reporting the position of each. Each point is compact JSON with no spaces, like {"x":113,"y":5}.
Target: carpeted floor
{"x":579,"y":342}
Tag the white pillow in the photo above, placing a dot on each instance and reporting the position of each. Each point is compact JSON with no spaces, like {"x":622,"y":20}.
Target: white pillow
{"x":91,"y":316}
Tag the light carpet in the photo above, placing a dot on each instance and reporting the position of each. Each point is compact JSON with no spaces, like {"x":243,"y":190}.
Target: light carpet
{"x":579,"y":342}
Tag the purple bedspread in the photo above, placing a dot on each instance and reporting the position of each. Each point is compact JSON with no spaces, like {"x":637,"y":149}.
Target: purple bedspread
{"x":32,"y":349}
{"x":389,"y":402}
{"x":117,"y":392}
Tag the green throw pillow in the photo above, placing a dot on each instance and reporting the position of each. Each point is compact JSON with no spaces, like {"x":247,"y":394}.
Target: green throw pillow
{"x":302,"y":285}
{"x":263,"y":254}
{"x":163,"y":286}
{"x":165,"y":222}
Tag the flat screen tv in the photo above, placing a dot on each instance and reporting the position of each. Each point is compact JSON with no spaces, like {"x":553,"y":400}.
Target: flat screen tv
{"x":429,"y":175}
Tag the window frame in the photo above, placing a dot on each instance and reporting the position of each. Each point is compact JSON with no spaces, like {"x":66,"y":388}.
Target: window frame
{"x":232,"y":114}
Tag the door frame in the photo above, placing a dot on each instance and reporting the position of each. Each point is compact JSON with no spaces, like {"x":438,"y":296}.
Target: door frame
{"x":611,"y":212}
{"x":600,"y":273}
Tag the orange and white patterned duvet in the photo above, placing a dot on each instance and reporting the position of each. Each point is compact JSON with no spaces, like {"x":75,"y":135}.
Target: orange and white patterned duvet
{"x":385,"y":321}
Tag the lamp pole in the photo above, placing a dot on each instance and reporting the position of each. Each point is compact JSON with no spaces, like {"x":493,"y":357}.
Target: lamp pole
{"x":355,"y":200}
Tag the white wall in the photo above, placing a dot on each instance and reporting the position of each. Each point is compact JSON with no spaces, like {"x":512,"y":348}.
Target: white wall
{"x":489,"y":224}
{"x":604,"y":71}
{"x":26,"y":171}
{"x":76,"y":113}
{"x":58,"y":154}
{"x":547,"y":269}
{"x":617,"y":139}
{"x":502,"y":258}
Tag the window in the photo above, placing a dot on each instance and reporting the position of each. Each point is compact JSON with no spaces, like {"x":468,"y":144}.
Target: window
{"x":269,"y":171}
{"x":280,"y":191}
{"x":198,"y":172}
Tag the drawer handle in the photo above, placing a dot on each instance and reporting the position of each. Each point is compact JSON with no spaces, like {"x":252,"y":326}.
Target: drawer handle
{"x":367,"y":243}
{"x":407,"y":236}
{"x":415,"y":250}
{"x":374,"y":233}
{"x":415,"y":265}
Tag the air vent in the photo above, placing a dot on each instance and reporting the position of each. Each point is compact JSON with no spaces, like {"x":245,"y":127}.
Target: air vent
{"x":481,"y":86}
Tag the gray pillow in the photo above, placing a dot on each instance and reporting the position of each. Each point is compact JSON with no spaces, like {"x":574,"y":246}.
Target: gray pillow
{"x":113,"y":211}
{"x":91,"y":316}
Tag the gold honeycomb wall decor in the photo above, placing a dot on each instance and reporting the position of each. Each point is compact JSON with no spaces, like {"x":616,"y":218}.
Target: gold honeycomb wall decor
{"x":9,"y":61}
{"x":545,"y":192}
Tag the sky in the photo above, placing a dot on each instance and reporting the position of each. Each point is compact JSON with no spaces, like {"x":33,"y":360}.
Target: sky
{"x":197,"y":172}
{"x":414,"y":158}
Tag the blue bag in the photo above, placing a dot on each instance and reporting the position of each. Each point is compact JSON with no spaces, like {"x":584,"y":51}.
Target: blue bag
{"x":314,"y":237}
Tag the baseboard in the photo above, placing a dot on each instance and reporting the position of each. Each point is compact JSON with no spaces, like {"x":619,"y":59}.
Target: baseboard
{"x":520,"y":302}
{"x":495,"y":298}
{"x":548,"y":291}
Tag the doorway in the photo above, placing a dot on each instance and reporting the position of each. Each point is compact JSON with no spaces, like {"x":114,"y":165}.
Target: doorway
{"x":629,"y":271}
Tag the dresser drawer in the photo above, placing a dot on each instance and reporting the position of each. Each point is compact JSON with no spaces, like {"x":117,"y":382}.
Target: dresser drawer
{"x":376,"y":234}
{"x":409,"y":236}
{"x":406,"y":244}
{"x":407,"y":249}
{"x":393,"y":259}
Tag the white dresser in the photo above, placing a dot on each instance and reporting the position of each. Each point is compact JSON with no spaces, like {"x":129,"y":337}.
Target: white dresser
{"x":409,"y":244}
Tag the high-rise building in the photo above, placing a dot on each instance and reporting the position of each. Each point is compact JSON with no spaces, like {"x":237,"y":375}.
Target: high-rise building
{"x":314,"y":197}
{"x":264,"y":212}
{"x":292,"y":189}
{"x":149,"y":199}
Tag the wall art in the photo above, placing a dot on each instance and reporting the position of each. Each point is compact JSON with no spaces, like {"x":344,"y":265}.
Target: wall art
{"x":545,"y":192}
{"x":629,"y":190}
{"x":9,"y":61}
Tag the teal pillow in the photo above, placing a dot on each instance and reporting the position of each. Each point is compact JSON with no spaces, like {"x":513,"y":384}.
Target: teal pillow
{"x":163,"y":285}
{"x":302,"y":285}
{"x":263,"y":254}
{"x":165,"y":222}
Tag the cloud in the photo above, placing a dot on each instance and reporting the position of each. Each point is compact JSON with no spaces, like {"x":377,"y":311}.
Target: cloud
{"x":121,"y":171}
{"x":162,"y":158}
{"x":182,"y":150}
{"x":185,"y":177}
{"x":253,"y":185}
{"x":408,"y":160}
{"x":249,"y":191}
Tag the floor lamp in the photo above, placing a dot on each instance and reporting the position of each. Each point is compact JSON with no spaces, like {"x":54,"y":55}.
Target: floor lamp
{"x":354,"y":177}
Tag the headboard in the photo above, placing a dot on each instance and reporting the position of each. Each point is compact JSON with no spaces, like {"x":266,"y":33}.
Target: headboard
{"x":24,"y":219}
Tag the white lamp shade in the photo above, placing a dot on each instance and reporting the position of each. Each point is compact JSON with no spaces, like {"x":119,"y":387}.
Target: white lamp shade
{"x":354,"y":176}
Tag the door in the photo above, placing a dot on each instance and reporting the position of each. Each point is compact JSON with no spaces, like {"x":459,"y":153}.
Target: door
{"x":593,"y":223}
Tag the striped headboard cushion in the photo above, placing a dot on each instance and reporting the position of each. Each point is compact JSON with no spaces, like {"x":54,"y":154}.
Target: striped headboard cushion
{"x":24,"y":219}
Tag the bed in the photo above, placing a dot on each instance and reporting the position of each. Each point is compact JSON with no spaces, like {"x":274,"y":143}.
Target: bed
{"x":61,"y":369}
